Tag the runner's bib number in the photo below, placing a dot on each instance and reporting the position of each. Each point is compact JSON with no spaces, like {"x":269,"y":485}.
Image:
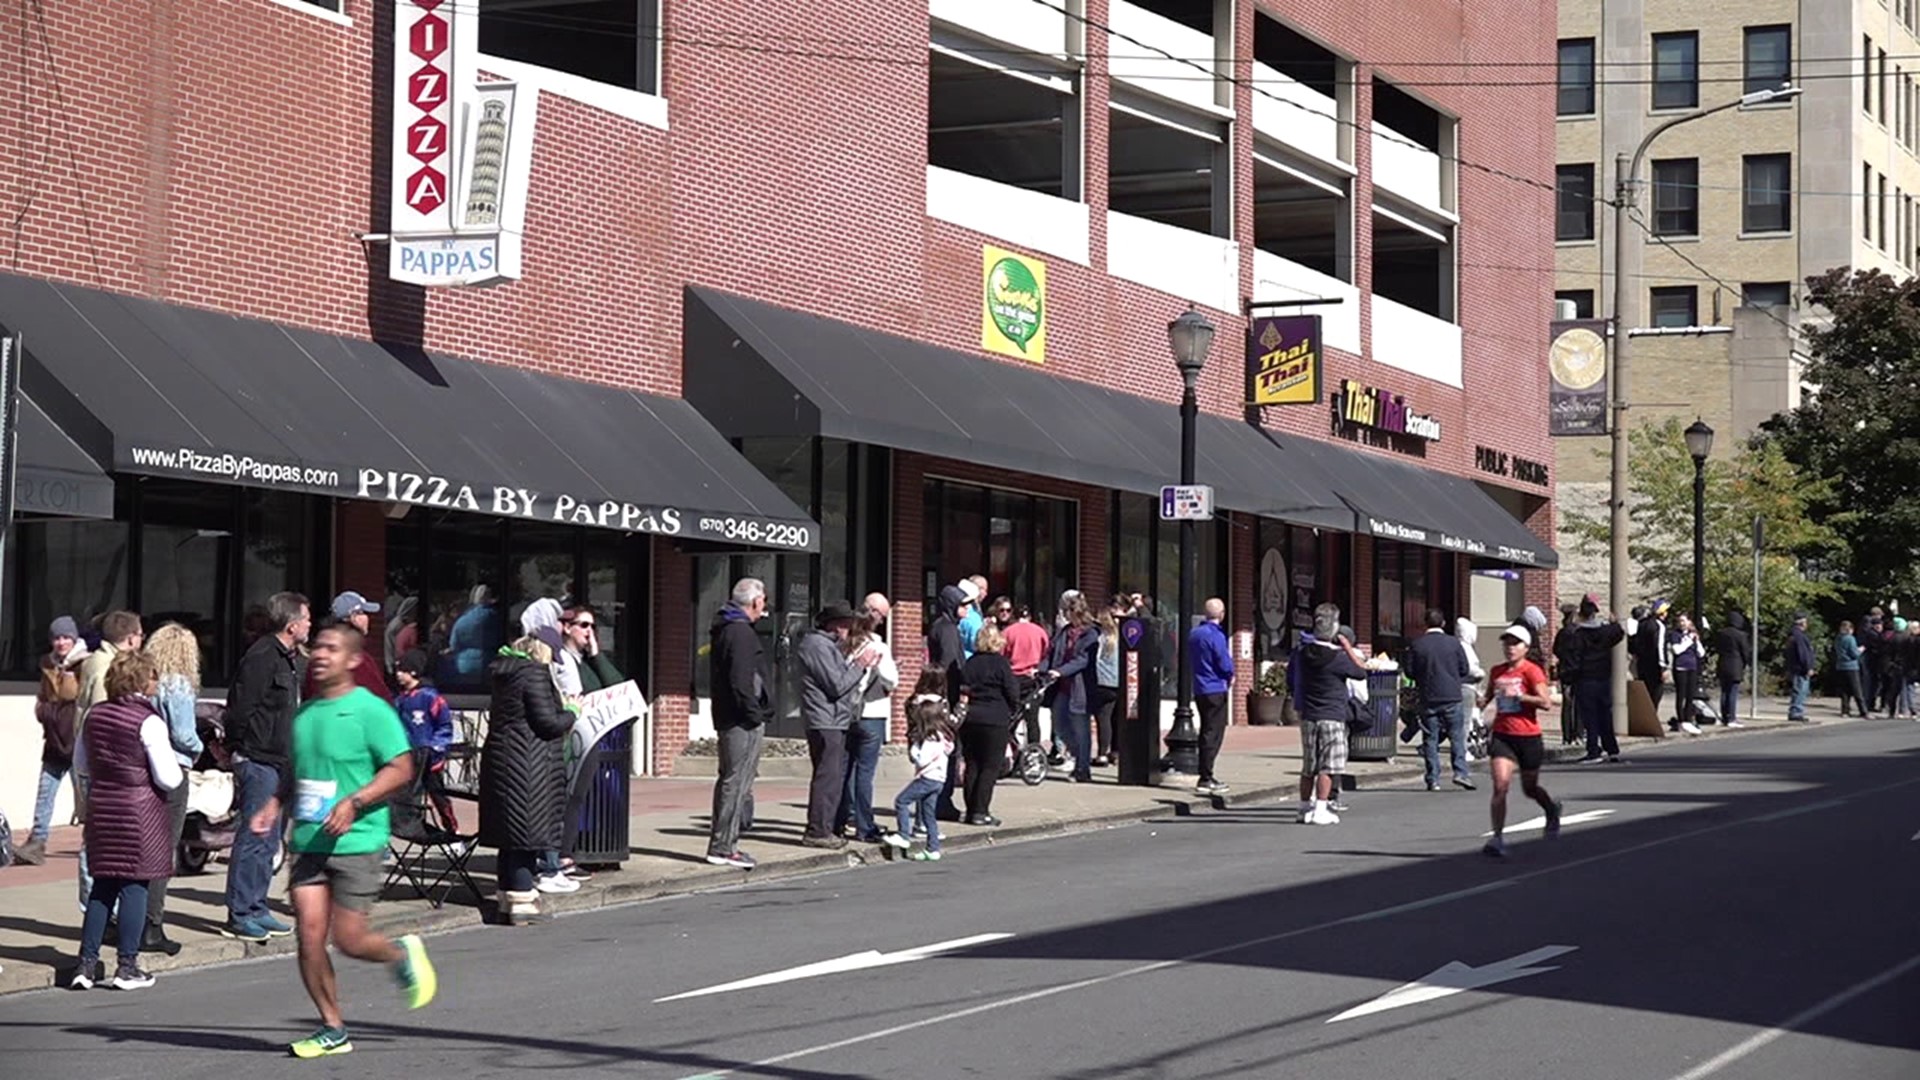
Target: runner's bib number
{"x":313,"y":800}
{"x":1506,"y":696}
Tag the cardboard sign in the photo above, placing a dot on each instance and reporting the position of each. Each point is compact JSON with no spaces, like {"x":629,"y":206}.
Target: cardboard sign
{"x":601,"y":712}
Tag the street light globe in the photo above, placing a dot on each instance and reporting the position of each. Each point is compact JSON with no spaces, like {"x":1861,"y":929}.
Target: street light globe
{"x":1191,"y":336}
{"x":1699,"y":440}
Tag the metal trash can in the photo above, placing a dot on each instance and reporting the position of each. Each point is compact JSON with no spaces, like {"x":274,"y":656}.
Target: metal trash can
{"x":598,"y":806}
{"x":1382,"y":737}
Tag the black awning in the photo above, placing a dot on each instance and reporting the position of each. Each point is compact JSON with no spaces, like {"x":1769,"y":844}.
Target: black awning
{"x":54,"y":475}
{"x":1404,"y":502}
{"x":755,"y":369}
{"x":193,"y":394}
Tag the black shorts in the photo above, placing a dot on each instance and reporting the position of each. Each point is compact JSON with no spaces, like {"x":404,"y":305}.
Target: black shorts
{"x":1527,"y":751}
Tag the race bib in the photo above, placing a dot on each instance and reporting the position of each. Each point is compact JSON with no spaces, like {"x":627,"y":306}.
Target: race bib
{"x":1506,"y":696}
{"x":313,"y":799}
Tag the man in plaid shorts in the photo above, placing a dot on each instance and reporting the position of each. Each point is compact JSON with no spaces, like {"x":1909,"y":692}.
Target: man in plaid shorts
{"x":1327,"y":663}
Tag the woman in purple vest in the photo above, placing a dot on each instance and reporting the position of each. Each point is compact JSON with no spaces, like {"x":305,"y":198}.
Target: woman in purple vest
{"x":125,"y":751}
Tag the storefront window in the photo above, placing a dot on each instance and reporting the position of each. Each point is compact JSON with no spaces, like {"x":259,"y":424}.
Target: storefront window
{"x":1024,"y":545}
{"x":1146,"y":556}
{"x":1400,"y":593}
{"x":836,"y":496}
{"x":186,"y":548}
{"x":276,"y":555}
{"x":1133,"y":546}
{"x":56,"y":568}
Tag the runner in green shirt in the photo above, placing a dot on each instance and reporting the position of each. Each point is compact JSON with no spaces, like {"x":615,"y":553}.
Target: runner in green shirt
{"x":350,"y":755}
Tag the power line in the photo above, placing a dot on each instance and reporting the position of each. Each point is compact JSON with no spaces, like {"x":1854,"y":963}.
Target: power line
{"x":1633,"y":213}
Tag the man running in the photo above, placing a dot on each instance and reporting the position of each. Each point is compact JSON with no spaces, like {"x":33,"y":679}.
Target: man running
{"x":349,"y":756}
{"x":1518,"y":690}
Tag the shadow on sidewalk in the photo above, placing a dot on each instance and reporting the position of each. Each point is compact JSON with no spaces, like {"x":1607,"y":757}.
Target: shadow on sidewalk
{"x":45,"y":955}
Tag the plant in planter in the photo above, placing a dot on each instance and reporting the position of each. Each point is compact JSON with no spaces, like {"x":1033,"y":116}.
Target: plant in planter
{"x":1268,"y":702}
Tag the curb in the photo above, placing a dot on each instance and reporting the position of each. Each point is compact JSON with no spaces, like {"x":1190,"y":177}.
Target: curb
{"x":1178,"y":800}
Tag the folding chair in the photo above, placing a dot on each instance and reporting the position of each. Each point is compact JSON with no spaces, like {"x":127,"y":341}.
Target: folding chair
{"x":420,"y":832}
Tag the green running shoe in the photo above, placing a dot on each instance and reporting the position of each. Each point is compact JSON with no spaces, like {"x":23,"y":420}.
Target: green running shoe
{"x":322,"y":1043}
{"x":414,"y":972}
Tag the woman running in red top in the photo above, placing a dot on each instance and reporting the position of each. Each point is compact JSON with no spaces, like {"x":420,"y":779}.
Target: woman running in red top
{"x":1518,"y":691}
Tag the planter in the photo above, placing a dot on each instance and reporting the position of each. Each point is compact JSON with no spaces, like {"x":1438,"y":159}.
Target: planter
{"x":1266,"y":709}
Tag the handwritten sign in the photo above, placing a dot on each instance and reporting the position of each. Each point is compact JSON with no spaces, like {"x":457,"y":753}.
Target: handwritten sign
{"x":601,"y":712}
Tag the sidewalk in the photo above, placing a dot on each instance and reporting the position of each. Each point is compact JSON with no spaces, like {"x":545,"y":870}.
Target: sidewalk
{"x":40,"y":915}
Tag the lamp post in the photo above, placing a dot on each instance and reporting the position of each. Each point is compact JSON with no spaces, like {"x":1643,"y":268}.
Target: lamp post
{"x":1191,"y":337}
{"x":1626,"y":170}
{"x":1700,"y":444}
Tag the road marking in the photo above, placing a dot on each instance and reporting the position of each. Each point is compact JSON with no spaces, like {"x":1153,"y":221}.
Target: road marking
{"x":860,"y":961}
{"x":1458,"y":978}
{"x":1797,"y":811}
{"x":1269,"y":939}
{"x":1715,"y":1064}
{"x":1571,"y":819}
{"x":1431,"y":901}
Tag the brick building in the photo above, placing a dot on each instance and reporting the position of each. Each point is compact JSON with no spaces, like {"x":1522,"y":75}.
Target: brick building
{"x":754,"y":333}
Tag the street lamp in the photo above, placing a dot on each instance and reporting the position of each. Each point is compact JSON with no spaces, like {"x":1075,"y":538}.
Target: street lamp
{"x":1700,"y":445}
{"x":1191,"y":337}
{"x":1626,"y":172}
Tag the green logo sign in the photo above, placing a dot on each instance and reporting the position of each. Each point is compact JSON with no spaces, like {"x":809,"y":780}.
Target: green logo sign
{"x":1013,"y":299}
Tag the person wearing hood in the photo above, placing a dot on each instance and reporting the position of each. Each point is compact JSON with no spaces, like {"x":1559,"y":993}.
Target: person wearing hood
{"x":1733,"y":652}
{"x":54,"y":708}
{"x":523,"y":773}
{"x":1468,"y":635}
{"x":737,"y":675}
{"x":943,"y":641}
{"x":474,"y":638}
{"x":1846,"y":665}
{"x":541,"y":621}
{"x":1587,"y":663}
{"x":830,"y":682}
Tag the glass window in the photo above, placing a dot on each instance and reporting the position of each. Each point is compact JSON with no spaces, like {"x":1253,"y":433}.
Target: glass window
{"x":1866,"y":71}
{"x":1765,"y":203}
{"x":60,"y":567}
{"x":1209,"y":580}
{"x":1402,"y":593}
{"x":836,"y":535}
{"x":1025,"y":545}
{"x":619,"y":572}
{"x":1768,"y":58}
{"x":1675,"y":306}
{"x":1574,"y":220}
{"x":1582,"y":300}
{"x":616,"y":42}
{"x":712,"y":585}
{"x":1866,"y":201}
{"x":186,"y":552}
{"x":1576,"y":77}
{"x":1134,"y":543}
{"x":469,"y":621}
{"x":1676,"y":70}
{"x":276,"y":556}
{"x":1766,"y":293}
{"x":1676,"y":197}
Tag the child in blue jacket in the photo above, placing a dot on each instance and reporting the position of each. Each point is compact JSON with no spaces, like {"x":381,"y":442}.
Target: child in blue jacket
{"x":429,"y":723}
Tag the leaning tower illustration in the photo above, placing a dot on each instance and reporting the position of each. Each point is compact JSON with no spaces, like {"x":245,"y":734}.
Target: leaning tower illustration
{"x":489,"y":153}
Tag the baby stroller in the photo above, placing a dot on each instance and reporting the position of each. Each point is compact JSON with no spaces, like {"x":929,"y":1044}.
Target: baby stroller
{"x":1027,"y":759}
{"x":211,"y":795}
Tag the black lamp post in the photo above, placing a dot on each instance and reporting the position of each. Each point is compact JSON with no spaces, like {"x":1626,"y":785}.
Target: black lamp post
{"x":1700,"y":444}
{"x":1191,"y":336}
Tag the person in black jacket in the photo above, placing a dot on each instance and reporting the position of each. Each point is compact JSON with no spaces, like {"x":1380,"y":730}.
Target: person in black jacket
{"x":1438,"y":666}
{"x":1651,"y":657}
{"x":1327,"y":663}
{"x":1587,"y":663}
{"x":993,"y":697}
{"x":737,"y":675}
{"x":260,"y":706}
{"x":523,"y":773}
{"x":1799,"y":664}
{"x":1733,"y":651}
{"x":943,"y":641}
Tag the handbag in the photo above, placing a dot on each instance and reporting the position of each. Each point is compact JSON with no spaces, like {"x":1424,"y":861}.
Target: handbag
{"x":1359,"y":717}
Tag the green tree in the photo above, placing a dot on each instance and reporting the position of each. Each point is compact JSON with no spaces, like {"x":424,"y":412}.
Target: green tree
{"x":1757,"y":481}
{"x":1857,"y":433}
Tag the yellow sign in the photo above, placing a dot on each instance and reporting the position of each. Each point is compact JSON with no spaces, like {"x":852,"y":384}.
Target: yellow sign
{"x":1283,"y":360}
{"x":1013,"y":305}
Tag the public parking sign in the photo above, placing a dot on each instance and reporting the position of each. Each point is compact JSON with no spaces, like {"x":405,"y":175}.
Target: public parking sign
{"x":1186,"y":502}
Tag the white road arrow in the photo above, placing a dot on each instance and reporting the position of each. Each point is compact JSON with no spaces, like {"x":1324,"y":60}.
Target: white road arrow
{"x":1458,"y":978}
{"x":1540,"y":822}
{"x":1916,"y":836}
{"x":859,"y":961}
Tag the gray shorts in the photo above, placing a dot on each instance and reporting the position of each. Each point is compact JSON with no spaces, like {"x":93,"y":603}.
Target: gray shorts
{"x":1323,"y":747}
{"x":355,"y":880}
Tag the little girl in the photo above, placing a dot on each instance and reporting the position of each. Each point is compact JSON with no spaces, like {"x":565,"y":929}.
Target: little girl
{"x":929,"y":744}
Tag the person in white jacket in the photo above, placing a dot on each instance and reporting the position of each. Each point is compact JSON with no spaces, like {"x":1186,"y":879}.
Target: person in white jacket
{"x":1469,"y":635}
{"x":869,"y":733}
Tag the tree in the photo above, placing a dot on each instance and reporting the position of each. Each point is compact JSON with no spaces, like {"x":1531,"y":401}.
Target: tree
{"x":1758,"y":481}
{"x":1857,"y":432}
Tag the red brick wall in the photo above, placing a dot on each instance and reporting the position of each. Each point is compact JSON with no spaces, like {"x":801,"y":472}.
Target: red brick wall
{"x":672,"y":632}
{"x":359,"y":562}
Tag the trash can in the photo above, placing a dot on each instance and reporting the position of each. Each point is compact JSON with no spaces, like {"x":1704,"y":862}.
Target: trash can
{"x":597,"y":808}
{"x":1382,"y":737}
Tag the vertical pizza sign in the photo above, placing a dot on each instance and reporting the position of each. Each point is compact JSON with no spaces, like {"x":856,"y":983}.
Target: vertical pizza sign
{"x":461,"y":153}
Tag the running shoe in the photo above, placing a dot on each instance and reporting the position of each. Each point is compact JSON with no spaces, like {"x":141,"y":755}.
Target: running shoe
{"x":414,"y":972}
{"x":130,"y":977}
{"x":1553,"y":819}
{"x":245,"y":930}
{"x":86,"y":975}
{"x":1495,"y":848}
{"x":739,"y":859}
{"x":274,"y":927}
{"x":1590,"y":759}
{"x":1463,"y":782}
{"x":923,"y":855}
{"x":322,"y":1043}
{"x":1690,"y":728}
{"x":557,"y":883}
{"x":898,"y":841}
{"x":1733,"y":724}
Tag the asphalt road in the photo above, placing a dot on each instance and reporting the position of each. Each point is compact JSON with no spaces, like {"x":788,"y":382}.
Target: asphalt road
{"x":1746,"y":908}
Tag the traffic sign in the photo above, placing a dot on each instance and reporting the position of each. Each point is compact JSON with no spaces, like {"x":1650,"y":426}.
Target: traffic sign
{"x":1186,"y":502}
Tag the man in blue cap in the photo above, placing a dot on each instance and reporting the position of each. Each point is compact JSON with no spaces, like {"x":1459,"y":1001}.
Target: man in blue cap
{"x":352,"y":609}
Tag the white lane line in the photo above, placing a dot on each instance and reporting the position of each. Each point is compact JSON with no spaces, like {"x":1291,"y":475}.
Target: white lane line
{"x":1253,"y":943}
{"x":1431,"y":901}
{"x":860,"y":961}
{"x":1796,"y":811}
{"x":1540,"y":823}
{"x":1458,"y":977}
{"x":1715,"y":1064}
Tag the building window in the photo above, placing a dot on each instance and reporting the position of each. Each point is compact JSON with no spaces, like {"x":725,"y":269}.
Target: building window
{"x":1676,"y":70}
{"x":1675,"y":306}
{"x":1403,"y":582}
{"x":1880,"y":89}
{"x":616,"y":42}
{"x":1576,"y":77}
{"x":1287,"y":586}
{"x":1026,"y":546}
{"x":1574,"y":219}
{"x":1866,"y":202}
{"x":1765,"y":202}
{"x":1676,"y":197}
{"x":1866,"y":74}
{"x":1766,"y":293}
{"x":1582,"y":300}
{"x":1768,"y":58}
{"x":1146,"y":560}
{"x":1880,"y":212}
